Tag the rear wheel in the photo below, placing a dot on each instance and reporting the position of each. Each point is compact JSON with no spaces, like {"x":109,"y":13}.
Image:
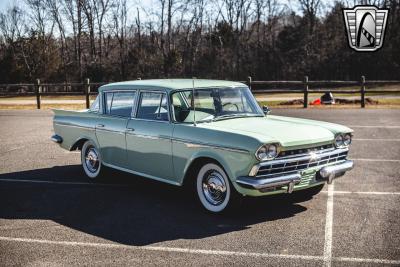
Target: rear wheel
{"x":91,"y":160}
{"x":214,"y":189}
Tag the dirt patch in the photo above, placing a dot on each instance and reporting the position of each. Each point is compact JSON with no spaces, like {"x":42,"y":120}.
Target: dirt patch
{"x":368,"y":101}
{"x":292,"y":102}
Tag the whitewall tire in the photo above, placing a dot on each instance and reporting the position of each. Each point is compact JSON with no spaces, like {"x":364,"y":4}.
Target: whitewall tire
{"x":91,"y":160}
{"x":213,"y":188}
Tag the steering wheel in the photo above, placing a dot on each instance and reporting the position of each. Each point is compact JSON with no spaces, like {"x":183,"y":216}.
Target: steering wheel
{"x":232,"y":104}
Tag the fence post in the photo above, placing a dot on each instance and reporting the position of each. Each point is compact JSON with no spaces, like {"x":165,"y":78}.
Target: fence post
{"x":38,"y":91}
{"x":305,"y":99}
{"x":362,"y":91}
{"x":87,"y":92}
{"x":249,"y":82}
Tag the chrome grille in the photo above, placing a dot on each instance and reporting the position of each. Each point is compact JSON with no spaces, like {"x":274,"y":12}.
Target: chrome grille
{"x":279,"y":166}
{"x":295,"y":152}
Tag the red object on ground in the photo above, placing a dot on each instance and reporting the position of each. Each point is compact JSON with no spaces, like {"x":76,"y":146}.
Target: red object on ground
{"x":316,"y":102}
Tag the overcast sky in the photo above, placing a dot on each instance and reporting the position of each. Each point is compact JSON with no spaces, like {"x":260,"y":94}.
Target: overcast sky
{"x":4,"y":4}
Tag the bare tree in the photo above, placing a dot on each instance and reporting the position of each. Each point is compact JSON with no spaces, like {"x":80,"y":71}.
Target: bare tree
{"x":120,"y":12}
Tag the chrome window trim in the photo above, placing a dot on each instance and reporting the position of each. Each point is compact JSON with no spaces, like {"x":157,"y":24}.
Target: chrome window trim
{"x":161,"y":91}
{"x":181,"y":90}
{"x":103,"y":109}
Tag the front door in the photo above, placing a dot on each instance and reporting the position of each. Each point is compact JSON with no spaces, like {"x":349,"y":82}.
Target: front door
{"x":148,"y":137}
{"x":111,"y":129}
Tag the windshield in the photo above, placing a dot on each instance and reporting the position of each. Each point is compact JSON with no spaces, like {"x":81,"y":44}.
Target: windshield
{"x":214,"y":104}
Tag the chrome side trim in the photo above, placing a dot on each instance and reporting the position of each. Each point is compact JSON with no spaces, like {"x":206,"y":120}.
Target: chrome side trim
{"x":191,"y":144}
{"x":154,"y":137}
{"x":73,"y":125}
{"x":110,"y":131}
{"x":142,"y":174}
{"x":286,"y":180}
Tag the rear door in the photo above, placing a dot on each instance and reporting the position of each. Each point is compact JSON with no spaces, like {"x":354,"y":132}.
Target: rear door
{"x":149,"y":135}
{"x":110,"y":130}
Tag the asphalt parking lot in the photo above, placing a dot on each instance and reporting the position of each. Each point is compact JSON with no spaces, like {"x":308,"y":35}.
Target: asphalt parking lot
{"x":50,"y":214}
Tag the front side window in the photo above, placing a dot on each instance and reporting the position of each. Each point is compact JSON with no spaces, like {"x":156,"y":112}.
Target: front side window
{"x":119,"y":103}
{"x":153,"y":106}
{"x":214,"y":104}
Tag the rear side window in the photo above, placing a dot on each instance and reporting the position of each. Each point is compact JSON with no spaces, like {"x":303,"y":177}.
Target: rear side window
{"x":153,"y":106}
{"x":120,"y":103}
{"x":95,"y":107}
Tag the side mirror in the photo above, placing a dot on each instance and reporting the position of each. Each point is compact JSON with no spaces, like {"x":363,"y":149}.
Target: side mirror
{"x":266,"y":109}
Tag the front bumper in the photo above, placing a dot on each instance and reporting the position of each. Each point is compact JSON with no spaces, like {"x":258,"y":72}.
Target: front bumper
{"x":327,"y":173}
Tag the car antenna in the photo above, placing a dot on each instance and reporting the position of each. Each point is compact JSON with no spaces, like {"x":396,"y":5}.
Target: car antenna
{"x":194,"y":106}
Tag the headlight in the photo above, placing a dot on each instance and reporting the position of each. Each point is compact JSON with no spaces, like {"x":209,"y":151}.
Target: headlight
{"x":347,"y":139}
{"x":267,"y":152}
{"x":343,"y":140}
{"x":339,"y":140}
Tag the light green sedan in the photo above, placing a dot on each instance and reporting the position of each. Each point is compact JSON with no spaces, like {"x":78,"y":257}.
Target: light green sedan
{"x":210,"y":135}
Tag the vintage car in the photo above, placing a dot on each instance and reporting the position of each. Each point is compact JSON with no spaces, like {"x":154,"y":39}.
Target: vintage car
{"x":208,"y":134}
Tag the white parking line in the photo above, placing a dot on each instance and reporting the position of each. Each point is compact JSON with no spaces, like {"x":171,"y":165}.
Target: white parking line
{"x":361,"y":260}
{"x":196,"y":251}
{"x":376,"y":126}
{"x":328,"y":227}
{"x":59,"y":182}
{"x":376,"y":160}
{"x":163,"y":249}
{"x":364,"y":192}
{"x":376,"y":139}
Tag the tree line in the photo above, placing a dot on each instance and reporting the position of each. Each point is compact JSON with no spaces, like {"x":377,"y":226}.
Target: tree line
{"x":112,"y":40}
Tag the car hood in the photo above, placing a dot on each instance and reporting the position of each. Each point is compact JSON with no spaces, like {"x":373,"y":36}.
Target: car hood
{"x":284,"y":130}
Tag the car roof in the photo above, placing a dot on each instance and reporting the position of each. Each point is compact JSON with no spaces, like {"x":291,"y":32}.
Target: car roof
{"x":169,"y":84}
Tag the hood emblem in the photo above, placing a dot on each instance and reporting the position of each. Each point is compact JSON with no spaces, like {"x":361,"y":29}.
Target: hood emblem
{"x":314,"y":157}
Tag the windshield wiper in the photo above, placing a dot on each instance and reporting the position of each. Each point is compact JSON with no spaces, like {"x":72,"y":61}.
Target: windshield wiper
{"x":235,"y":116}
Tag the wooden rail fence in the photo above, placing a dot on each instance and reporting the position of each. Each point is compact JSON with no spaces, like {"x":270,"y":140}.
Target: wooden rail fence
{"x":257,"y":87}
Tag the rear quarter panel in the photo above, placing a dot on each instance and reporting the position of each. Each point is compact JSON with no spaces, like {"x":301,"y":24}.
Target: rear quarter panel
{"x":75,"y":125}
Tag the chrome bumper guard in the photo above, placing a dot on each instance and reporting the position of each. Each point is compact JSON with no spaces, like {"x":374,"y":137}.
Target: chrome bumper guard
{"x":333,"y":171}
{"x":327,"y":173}
{"x":56,"y":139}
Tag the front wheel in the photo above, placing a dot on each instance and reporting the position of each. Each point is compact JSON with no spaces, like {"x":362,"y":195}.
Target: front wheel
{"x":214,"y":189}
{"x":91,"y":160}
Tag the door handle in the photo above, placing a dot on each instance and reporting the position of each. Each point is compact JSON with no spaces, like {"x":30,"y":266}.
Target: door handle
{"x":100,"y":126}
{"x":130,"y":129}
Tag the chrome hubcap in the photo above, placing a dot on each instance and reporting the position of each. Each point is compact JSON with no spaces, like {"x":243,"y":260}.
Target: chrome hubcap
{"x":92,"y":159}
{"x":214,"y":187}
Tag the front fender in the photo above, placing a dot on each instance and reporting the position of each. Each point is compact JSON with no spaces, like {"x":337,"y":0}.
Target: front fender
{"x":234,"y":163}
